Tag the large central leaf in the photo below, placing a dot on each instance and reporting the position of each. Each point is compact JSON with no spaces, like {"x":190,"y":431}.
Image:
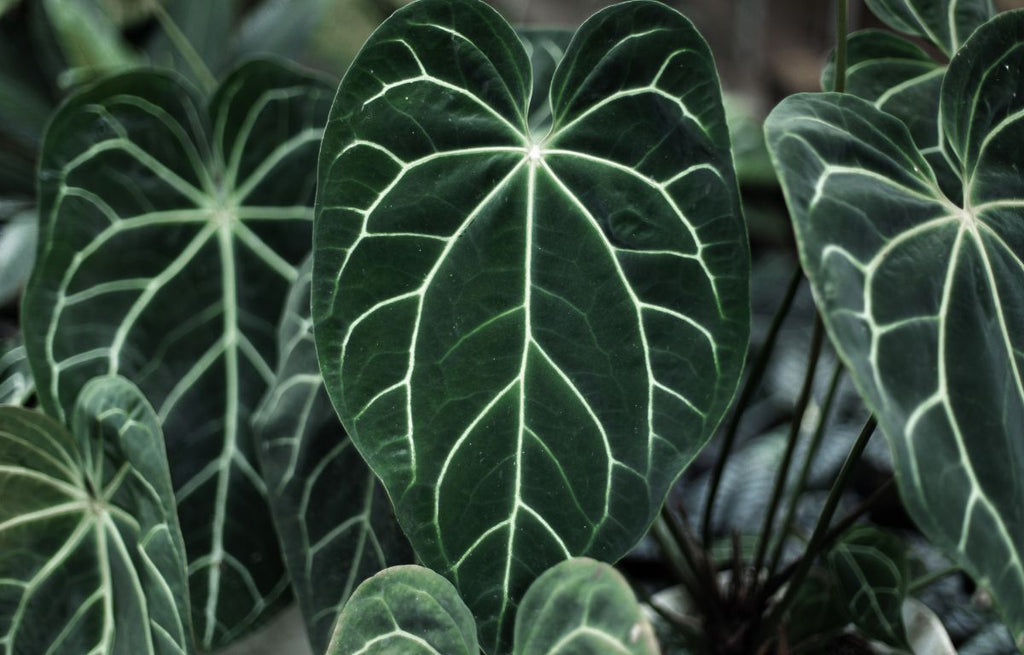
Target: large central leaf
{"x":923,"y":296}
{"x":170,"y":236}
{"x":528,"y":339}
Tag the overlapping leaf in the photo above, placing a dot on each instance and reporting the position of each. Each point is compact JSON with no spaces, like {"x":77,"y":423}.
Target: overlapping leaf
{"x":946,"y":23}
{"x":92,"y":559}
{"x":582,"y":606}
{"x":870,"y":569}
{"x":922,"y":296}
{"x":333,"y":517}
{"x":405,"y":610}
{"x":528,"y":338}
{"x":170,"y":235}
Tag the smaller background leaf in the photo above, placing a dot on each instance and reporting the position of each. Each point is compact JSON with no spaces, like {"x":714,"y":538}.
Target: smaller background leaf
{"x":946,"y":23}
{"x":582,"y":606}
{"x":16,"y":384}
{"x":870,"y":570}
{"x":401,"y":610}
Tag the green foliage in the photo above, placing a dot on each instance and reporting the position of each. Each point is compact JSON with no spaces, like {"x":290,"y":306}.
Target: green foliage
{"x":922,"y":296}
{"x":92,"y":557}
{"x":171,"y":232}
{"x":493,"y":311}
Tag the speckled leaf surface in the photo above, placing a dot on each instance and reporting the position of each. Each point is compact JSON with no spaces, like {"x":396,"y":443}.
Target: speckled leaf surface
{"x":922,"y":296}
{"x":171,"y":231}
{"x":528,"y":337}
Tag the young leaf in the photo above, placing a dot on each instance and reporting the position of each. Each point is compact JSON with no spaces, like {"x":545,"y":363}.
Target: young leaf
{"x":169,"y":240}
{"x":92,"y":558}
{"x":582,"y":606}
{"x":406,"y":610}
{"x":870,"y":568}
{"x":946,"y":23}
{"x":922,"y":297}
{"x":333,"y":516}
{"x":527,"y":339}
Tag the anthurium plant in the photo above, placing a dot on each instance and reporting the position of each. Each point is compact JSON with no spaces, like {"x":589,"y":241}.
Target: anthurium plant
{"x":428,"y":358}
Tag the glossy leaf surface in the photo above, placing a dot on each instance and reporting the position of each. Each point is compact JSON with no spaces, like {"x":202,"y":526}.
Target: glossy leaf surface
{"x":582,"y":606}
{"x":333,"y":516}
{"x":171,"y":233}
{"x":946,"y":23}
{"x":528,"y":340}
{"x":870,"y":568}
{"x":405,"y":610}
{"x":92,"y":559}
{"x":922,"y":297}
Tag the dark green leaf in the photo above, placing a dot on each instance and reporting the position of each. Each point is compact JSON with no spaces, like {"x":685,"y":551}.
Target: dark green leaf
{"x":527,"y":339}
{"x":88,"y":36}
{"x":545,"y":48}
{"x":405,"y":610}
{"x":332,"y":514}
{"x":18,"y":239}
{"x":582,"y":606}
{"x":92,"y":559}
{"x":946,"y":23}
{"x":923,"y":297}
{"x":207,"y":27}
{"x":171,"y":236}
{"x":870,"y":568}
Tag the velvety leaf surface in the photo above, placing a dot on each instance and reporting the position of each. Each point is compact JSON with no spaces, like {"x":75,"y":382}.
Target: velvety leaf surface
{"x":171,"y":233}
{"x":333,"y":517}
{"x":16,"y":383}
{"x":922,"y":296}
{"x":92,"y":559}
{"x":870,"y":568}
{"x":946,"y":23}
{"x":582,"y":606}
{"x":405,"y":610}
{"x":527,"y":339}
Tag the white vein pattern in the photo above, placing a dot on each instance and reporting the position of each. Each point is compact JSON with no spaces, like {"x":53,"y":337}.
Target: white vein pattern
{"x":212,"y":220}
{"x":83,"y":536}
{"x":954,"y":443}
{"x":334,"y":536}
{"x":427,"y":469}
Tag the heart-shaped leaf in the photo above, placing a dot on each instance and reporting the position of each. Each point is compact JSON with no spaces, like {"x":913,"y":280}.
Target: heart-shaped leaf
{"x":870,"y":570}
{"x":92,"y":559}
{"x":545,"y":48}
{"x":333,"y":516}
{"x":170,"y":236}
{"x":405,"y":610}
{"x":923,"y":297}
{"x":528,"y":338}
{"x":946,"y":23}
{"x":582,"y":606}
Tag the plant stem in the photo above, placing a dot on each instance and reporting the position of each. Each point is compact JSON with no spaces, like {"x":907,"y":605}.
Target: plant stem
{"x":821,"y":529}
{"x":782,"y":474}
{"x":801,"y":481}
{"x":184,"y":47}
{"x":839,"y":85}
{"x":931,"y":578}
{"x":757,"y":370}
{"x":683,"y":568}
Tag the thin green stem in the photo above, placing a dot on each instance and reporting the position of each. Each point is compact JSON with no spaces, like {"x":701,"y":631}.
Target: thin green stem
{"x":782,"y":474}
{"x":184,"y":47}
{"x":817,"y":540}
{"x":680,"y":563}
{"x":757,"y":370}
{"x":805,"y":469}
{"x":931,"y":578}
{"x":839,"y":85}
